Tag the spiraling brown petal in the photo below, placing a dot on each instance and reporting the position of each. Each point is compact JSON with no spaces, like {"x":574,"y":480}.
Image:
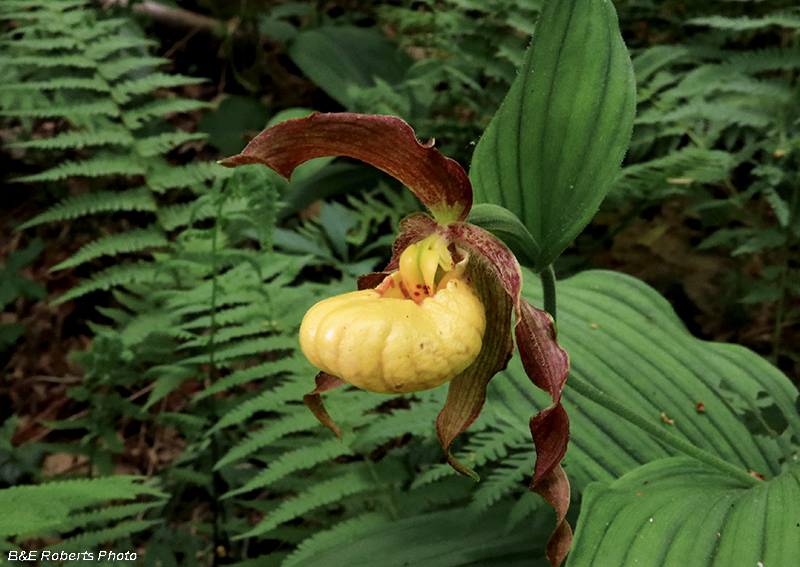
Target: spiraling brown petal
{"x":467,"y":392}
{"x":554,"y":488}
{"x":385,"y":142}
{"x":547,"y":365}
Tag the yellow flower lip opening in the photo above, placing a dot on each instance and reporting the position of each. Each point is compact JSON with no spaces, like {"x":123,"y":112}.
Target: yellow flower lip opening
{"x":421,"y":327}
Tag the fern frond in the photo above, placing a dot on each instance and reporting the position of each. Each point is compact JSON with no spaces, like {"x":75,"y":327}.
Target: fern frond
{"x":123,"y":92}
{"x":102,"y":28}
{"x":717,"y":111}
{"x":294,"y":461}
{"x":132,"y":241}
{"x":226,"y":334}
{"x":742,"y":24}
{"x":104,"y":47}
{"x":231,"y":316}
{"x":103,"y":516}
{"x":325,"y":493}
{"x":526,"y":507}
{"x":122,"y":274}
{"x":35,"y":509}
{"x":92,"y":84}
{"x":504,"y":481}
{"x":342,"y":531}
{"x":151,"y":323}
{"x":239,"y":377}
{"x":40,"y":44}
{"x":139,"y":199}
{"x":269,"y":400}
{"x":492,"y":445}
{"x":653,"y":59}
{"x":163,"y":143}
{"x":185,"y":214}
{"x":43,"y":61}
{"x":135,"y":118}
{"x":73,"y":112}
{"x":120,"y":66}
{"x":110,"y":136}
{"x":251,"y":347}
{"x":270,"y":432}
{"x":92,"y":539}
{"x":95,"y":167}
{"x":693,"y":164}
{"x":185,"y":176}
{"x":764,"y":60}
{"x":61,"y":6}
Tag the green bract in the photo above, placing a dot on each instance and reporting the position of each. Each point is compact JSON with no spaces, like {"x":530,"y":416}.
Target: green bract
{"x":553,"y":149}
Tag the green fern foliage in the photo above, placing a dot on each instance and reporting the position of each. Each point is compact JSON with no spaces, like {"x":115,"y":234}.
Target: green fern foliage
{"x":96,"y":511}
{"x":94,"y":72}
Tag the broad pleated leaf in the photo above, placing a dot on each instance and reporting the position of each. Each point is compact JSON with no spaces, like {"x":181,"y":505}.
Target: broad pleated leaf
{"x":553,"y":149}
{"x":679,"y":513}
{"x":625,"y":339}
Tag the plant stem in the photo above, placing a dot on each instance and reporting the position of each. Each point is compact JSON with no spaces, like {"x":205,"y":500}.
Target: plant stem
{"x":782,"y":278}
{"x":658,"y":431}
{"x":548,"y":276}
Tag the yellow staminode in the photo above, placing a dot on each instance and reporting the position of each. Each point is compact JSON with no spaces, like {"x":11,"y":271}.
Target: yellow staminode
{"x":420,"y":328}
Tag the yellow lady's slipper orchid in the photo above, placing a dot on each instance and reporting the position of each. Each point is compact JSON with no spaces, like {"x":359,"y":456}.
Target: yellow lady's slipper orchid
{"x":442,"y":309}
{"x":420,"y":328}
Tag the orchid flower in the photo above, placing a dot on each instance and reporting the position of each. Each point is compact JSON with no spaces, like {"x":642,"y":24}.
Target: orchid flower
{"x":441,"y":311}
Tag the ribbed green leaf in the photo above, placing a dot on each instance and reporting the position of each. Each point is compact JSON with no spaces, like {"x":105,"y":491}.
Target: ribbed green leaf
{"x":552,"y":150}
{"x":625,"y":339}
{"x":678,"y":513}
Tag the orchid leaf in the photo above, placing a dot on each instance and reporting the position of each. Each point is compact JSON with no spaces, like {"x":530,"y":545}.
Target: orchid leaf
{"x":678,"y":513}
{"x":554,"y":147}
{"x":626,"y":340}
